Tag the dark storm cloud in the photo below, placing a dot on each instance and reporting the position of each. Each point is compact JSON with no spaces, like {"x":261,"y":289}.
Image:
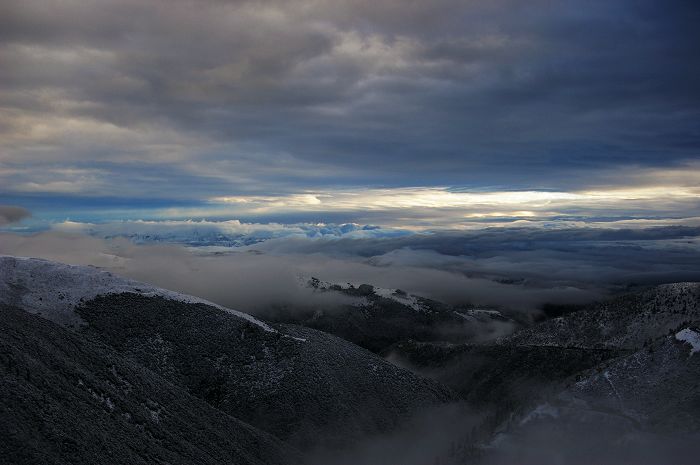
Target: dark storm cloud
{"x":11,"y":214}
{"x":265,"y":95}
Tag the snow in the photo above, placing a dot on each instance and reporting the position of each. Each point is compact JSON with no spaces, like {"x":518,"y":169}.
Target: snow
{"x":608,"y":379}
{"x":408,"y":300}
{"x":680,"y":286}
{"x":479,"y":314}
{"x":54,"y":289}
{"x":541,"y":411}
{"x":691,"y":337}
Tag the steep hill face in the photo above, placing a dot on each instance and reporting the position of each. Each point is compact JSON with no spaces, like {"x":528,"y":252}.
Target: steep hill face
{"x":651,"y":388}
{"x":65,"y":399}
{"x":305,"y":387}
{"x":624,"y":322}
{"x":493,"y":375}
{"x":299,"y":384}
{"x":643,"y":408}
{"x":555,"y":349}
{"x":610,"y":372}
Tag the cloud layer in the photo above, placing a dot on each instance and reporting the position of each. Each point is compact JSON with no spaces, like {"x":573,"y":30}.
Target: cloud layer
{"x":198,"y":100}
{"x":513,"y":268}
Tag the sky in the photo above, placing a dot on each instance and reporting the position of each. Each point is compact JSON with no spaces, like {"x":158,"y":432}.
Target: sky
{"x":415,"y":114}
{"x":549,"y":146}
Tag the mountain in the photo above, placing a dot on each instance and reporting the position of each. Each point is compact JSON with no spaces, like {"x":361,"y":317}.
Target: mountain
{"x":297,"y":385}
{"x":557,"y":348}
{"x":624,"y":371}
{"x":376,"y":318}
{"x":627,"y":321}
{"x":642,"y":408}
{"x":65,"y":399}
{"x":97,"y":368}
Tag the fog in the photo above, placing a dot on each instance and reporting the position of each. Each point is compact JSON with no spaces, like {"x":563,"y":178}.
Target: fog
{"x":251,"y":280}
{"x":558,"y":443}
{"x":514,"y":269}
{"x":434,"y":436}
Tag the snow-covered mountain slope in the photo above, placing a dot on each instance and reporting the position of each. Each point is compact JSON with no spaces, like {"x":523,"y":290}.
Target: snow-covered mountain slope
{"x":640,"y":340}
{"x":303,"y":386}
{"x":653,"y":387}
{"x":643,"y":408}
{"x":55,"y":289}
{"x":624,"y":322}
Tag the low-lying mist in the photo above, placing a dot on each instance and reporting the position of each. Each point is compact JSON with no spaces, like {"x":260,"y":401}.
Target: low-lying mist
{"x":516,"y":270}
{"x":251,"y":280}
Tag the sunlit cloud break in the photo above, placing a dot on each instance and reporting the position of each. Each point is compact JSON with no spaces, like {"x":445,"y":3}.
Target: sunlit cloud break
{"x":408,"y":206}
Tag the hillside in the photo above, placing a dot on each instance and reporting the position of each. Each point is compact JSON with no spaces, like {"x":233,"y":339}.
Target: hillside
{"x":150,"y":375}
{"x":626,"y":321}
{"x":65,"y":399}
{"x":377,"y":317}
{"x":643,"y":408}
{"x":608,"y":374}
{"x":302,"y":386}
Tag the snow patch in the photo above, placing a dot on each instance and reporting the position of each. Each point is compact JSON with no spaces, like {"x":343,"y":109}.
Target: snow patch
{"x":541,"y":411}
{"x":478,"y":314}
{"x":408,"y":300}
{"x":691,"y":337}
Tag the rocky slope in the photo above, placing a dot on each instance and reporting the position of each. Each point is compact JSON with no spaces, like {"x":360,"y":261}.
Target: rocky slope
{"x":557,"y":348}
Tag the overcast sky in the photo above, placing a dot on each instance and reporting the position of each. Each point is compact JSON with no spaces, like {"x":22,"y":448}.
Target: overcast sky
{"x":406,"y":113}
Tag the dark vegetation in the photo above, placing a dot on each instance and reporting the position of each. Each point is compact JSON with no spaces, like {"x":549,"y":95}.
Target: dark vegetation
{"x":379,"y":322}
{"x":147,"y":379}
{"x":303,"y":386}
{"x":66,"y":399}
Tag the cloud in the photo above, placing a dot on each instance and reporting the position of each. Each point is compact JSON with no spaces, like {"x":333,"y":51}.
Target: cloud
{"x":518,"y":269}
{"x":251,"y":281}
{"x":222,"y":99}
{"x":431,"y":436}
{"x":11,"y":214}
{"x":445,"y":208}
{"x":654,"y":198}
{"x":228,"y":233}
{"x":593,"y":441}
